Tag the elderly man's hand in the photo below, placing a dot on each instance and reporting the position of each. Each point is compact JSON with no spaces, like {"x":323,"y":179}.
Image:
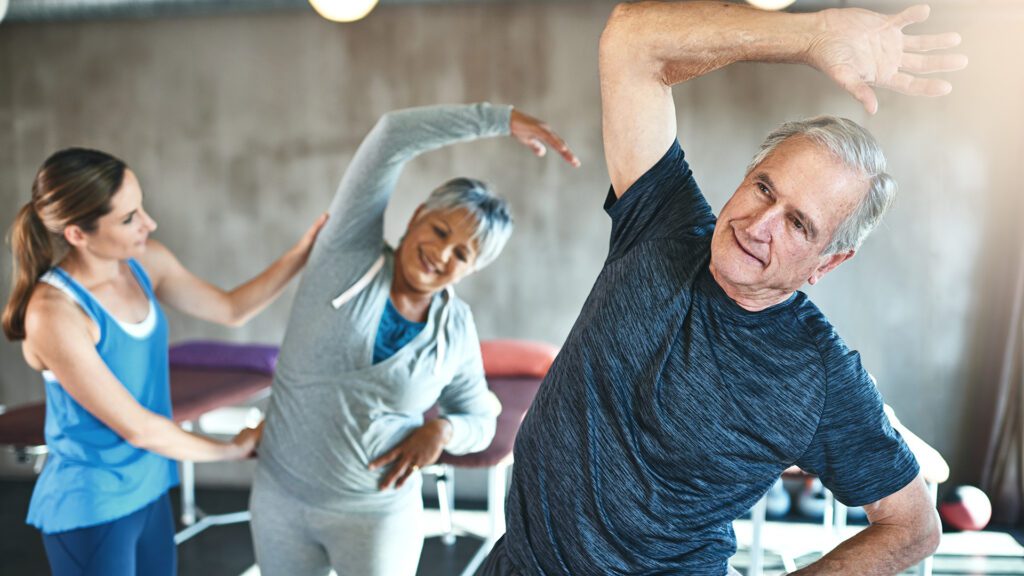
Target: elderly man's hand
{"x":860,"y":49}
{"x":537,"y":135}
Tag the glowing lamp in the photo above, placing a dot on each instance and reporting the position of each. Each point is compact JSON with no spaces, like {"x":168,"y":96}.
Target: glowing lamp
{"x":343,"y":10}
{"x":770,"y":4}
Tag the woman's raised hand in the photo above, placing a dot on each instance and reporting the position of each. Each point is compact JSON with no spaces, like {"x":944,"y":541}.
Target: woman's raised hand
{"x":537,"y":136}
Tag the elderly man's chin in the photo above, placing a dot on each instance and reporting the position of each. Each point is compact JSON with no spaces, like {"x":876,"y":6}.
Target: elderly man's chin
{"x":743,"y":280}
{"x":736,"y":273}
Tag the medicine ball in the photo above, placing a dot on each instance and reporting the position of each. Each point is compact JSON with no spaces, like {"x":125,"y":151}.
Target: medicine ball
{"x":966,"y":508}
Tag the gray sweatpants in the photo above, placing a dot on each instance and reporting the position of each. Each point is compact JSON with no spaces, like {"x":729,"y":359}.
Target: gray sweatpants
{"x":293,"y":538}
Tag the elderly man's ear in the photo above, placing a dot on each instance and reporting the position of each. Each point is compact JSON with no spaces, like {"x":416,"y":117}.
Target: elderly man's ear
{"x":828,"y":264}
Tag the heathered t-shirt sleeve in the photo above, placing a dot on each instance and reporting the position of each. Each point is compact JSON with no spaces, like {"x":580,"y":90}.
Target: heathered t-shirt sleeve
{"x":855,"y":451}
{"x":664,"y":203}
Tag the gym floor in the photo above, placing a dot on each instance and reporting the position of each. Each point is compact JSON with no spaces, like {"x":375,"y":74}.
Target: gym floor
{"x":227,"y":550}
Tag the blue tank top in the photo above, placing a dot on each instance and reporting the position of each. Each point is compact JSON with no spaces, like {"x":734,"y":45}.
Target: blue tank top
{"x":92,"y":475}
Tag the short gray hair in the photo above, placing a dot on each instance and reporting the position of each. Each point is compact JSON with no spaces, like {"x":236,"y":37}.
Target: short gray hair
{"x":858,"y":149}
{"x":493,"y":219}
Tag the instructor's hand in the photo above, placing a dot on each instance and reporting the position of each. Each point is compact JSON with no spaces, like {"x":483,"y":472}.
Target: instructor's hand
{"x":305,"y":244}
{"x":421,"y":448}
{"x":859,"y":49}
{"x":244,"y":444}
{"x":537,"y":136}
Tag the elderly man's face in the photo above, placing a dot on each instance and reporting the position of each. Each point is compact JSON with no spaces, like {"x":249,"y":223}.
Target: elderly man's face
{"x":770,"y":235}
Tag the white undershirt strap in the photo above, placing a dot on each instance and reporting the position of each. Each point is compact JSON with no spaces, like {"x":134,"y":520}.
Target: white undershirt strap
{"x":138,"y":330}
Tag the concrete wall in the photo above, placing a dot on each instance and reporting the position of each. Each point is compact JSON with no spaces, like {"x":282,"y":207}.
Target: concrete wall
{"x":240,"y":126}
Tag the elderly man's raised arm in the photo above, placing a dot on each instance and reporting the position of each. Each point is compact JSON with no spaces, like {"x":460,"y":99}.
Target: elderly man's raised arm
{"x":648,"y":47}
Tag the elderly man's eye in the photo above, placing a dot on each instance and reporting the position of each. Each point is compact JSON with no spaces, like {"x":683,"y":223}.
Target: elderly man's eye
{"x":440,"y":232}
{"x":763,"y":189}
{"x":798,"y":225}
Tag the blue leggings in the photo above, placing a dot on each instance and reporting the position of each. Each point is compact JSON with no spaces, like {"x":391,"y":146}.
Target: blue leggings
{"x":140,"y":544}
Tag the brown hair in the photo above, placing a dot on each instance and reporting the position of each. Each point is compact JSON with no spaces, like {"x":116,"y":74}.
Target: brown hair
{"x":73,"y":187}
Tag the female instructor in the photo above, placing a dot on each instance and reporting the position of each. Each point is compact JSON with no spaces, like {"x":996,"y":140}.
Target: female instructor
{"x":376,"y":337}
{"x":87,"y":278}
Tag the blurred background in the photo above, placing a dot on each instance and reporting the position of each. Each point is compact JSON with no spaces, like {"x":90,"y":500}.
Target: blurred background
{"x":240,"y":118}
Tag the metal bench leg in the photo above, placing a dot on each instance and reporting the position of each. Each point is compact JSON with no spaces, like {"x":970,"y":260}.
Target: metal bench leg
{"x":192,"y":517}
{"x":496,"y":500}
{"x":188,"y":485}
{"x":495,"y":515}
{"x":444,"y":477}
{"x":839,"y":525}
{"x":757,"y":520}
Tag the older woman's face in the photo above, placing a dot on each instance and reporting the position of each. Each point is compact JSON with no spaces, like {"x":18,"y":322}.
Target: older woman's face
{"x":438,"y":249}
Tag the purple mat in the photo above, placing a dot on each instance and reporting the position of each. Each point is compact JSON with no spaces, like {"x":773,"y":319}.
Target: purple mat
{"x":261,"y":358}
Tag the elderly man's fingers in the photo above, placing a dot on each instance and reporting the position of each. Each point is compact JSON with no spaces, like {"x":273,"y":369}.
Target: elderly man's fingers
{"x":912,"y":15}
{"x":850,"y":80}
{"x":928,"y":42}
{"x":931,"y":63}
{"x":912,"y":86}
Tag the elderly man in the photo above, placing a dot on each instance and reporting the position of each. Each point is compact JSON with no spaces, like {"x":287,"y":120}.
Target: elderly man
{"x":696,"y":372}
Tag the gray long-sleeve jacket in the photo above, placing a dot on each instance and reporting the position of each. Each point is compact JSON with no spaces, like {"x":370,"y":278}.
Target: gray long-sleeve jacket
{"x":332,"y":410}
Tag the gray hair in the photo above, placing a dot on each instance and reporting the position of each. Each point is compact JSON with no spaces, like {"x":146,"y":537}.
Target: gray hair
{"x":858,"y":150}
{"x":493,"y":219}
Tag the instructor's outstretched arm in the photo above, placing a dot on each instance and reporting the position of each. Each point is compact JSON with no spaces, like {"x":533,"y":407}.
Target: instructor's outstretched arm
{"x":648,"y":47}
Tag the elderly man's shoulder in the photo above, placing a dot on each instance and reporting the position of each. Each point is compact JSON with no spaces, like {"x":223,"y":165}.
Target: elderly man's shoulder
{"x":817,"y":327}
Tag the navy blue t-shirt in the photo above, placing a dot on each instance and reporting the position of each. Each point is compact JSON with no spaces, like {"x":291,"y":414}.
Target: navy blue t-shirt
{"x":670,"y":410}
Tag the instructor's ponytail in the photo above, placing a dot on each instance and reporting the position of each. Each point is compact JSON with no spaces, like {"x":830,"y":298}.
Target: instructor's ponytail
{"x":32,"y":248}
{"x":73,"y":187}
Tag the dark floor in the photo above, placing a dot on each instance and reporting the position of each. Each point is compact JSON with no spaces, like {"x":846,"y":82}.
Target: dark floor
{"x":227,"y":550}
{"x":218,"y":551}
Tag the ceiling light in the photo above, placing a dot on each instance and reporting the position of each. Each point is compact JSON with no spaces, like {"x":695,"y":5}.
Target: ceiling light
{"x":341,"y":10}
{"x":770,"y":4}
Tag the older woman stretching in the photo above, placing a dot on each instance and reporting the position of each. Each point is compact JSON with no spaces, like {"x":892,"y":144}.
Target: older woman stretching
{"x":375,"y":338}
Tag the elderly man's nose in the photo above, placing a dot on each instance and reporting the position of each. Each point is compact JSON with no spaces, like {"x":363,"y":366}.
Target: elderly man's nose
{"x":760,"y":227}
